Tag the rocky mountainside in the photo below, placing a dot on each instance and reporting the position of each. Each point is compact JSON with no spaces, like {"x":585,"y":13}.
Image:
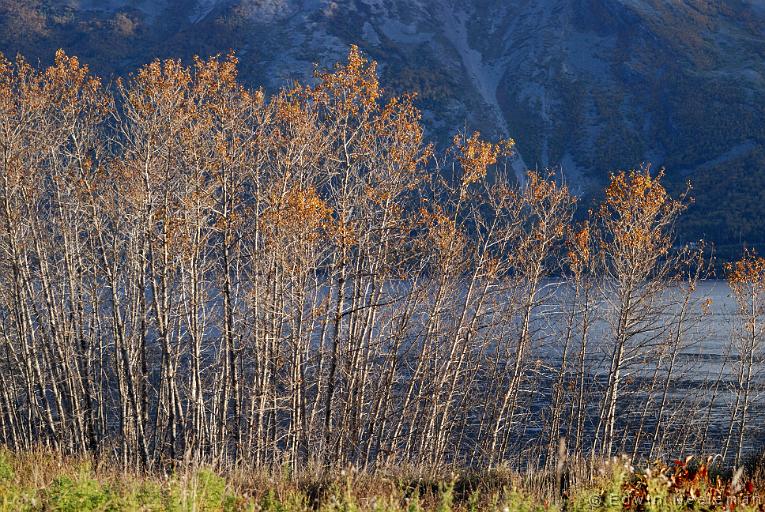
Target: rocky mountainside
{"x":584,"y":86}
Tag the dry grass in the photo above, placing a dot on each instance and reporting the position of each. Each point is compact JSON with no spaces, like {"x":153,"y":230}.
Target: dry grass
{"x":41,"y":480}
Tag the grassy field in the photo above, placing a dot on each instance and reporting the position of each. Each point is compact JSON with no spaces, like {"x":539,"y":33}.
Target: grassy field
{"x":44,"y":481}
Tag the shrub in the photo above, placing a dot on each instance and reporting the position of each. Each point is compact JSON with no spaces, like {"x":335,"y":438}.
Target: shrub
{"x":81,"y":493}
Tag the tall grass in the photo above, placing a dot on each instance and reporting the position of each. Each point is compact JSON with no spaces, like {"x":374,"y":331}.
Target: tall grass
{"x":43,"y":480}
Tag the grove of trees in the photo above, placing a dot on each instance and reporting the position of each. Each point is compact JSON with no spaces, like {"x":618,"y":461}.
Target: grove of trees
{"x":191,"y":271}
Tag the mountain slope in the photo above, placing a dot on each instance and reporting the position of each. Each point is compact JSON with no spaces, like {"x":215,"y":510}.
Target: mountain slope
{"x":588,"y":86}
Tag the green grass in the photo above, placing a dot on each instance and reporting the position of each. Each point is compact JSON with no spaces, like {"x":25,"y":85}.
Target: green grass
{"x":48,"y":482}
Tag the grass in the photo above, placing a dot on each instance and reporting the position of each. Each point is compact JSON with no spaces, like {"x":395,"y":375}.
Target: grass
{"x":48,"y":482}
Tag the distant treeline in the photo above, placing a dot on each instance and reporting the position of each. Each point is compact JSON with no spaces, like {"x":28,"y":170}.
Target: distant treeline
{"x":192,"y":271}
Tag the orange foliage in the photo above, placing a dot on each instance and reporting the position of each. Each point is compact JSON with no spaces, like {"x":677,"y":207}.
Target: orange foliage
{"x":351,"y":89}
{"x":444,"y":236}
{"x":399,"y":126}
{"x":579,"y":243}
{"x":638,"y":212}
{"x":299,"y":213}
{"x":746,"y":278}
{"x":476,"y":155}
